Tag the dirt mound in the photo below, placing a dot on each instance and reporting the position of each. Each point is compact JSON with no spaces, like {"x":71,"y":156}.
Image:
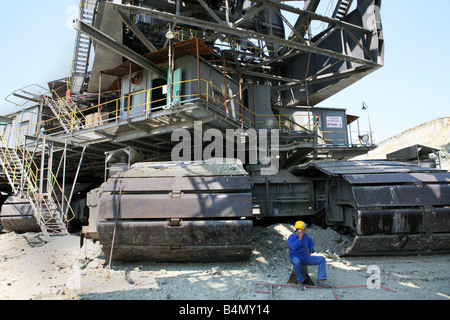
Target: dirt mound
{"x":434,"y":134}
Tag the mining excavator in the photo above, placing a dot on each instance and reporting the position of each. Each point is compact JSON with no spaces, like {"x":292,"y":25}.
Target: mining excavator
{"x":113,"y":155}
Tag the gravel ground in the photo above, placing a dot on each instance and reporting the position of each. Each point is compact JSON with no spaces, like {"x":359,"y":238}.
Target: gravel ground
{"x":30,"y":268}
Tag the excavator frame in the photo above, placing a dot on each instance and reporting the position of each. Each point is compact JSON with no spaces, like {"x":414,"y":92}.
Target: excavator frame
{"x":164,"y":66}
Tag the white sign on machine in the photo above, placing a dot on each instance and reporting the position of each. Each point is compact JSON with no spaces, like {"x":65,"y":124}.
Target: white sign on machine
{"x":334,"y":122}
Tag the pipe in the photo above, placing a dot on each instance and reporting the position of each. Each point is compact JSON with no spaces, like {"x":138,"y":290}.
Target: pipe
{"x":115,"y":226}
{"x":74,"y":182}
{"x":178,"y":8}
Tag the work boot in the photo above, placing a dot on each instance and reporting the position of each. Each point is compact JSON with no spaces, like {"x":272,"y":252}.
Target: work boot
{"x":301,"y":286}
{"x":322,"y":283}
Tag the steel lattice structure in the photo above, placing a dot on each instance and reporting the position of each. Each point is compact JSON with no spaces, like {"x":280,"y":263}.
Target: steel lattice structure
{"x":266,"y":40}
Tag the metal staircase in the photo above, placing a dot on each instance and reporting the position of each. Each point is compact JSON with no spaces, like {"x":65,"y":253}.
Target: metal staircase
{"x":48,"y":216}
{"x":66,"y":113}
{"x":342,"y":8}
{"x":24,"y":181}
{"x":12,"y":166}
{"x":80,"y":63}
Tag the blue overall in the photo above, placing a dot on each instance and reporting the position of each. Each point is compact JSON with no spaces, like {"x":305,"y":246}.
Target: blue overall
{"x":299,"y":255}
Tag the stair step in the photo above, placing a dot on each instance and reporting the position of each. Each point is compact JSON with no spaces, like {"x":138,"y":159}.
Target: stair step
{"x":342,"y":9}
{"x":83,"y":44}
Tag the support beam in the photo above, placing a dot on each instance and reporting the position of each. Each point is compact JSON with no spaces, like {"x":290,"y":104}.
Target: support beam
{"x":136,"y":31}
{"x":117,"y":47}
{"x":245,"y":33}
{"x":315,"y":16}
{"x":211,"y":13}
{"x":153,"y":131}
{"x":253,"y":11}
{"x":318,"y":79}
{"x":58,"y":141}
{"x":75,"y":182}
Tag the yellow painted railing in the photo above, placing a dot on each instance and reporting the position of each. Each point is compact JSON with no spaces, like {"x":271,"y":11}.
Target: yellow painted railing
{"x":69,"y":111}
{"x":28,"y":173}
{"x":148,"y":101}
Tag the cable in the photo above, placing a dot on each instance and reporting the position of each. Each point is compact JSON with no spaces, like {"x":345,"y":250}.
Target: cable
{"x":115,"y":227}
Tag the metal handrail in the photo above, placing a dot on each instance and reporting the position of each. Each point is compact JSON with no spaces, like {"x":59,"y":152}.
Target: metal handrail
{"x":123,"y":108}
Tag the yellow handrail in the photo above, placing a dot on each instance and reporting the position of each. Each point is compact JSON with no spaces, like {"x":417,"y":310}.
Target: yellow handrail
{"x":125,"y":108}
{"x":31,"y":180}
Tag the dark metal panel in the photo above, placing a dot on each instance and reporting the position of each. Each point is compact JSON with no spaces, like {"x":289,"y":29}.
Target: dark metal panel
{"x":389,"y":178}
{"x":176,"y":254}
{"x":16,"y":209}
{"x":180,"y":183}
{"x":411,"y":153}
{"x":282,"y":195}
{"x":432,"y":177}
{"x":402,"y":195}
{"x":389,"y":221}
{"x":17,"y":215}
{"x":153,"y":206}
{"x":222,"y":240}
{"x":20,"y":224}
{"x":335,"y":168}
{"x":405,"y":220}
{"x":436,"y":220}
{"x":399,"y":245}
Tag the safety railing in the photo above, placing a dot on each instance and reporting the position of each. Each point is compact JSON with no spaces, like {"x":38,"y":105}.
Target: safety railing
{"x":52,"y":194}
{"x":50,"y":185}
{"x":68,"y":116}
{"x":144,"y":103}
{"x":68,"y":110}
{"x":29,"y":179}
{"x":11,"y":167}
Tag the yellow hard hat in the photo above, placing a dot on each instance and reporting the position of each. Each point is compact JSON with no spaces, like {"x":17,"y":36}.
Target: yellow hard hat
{"x":300,"y":225}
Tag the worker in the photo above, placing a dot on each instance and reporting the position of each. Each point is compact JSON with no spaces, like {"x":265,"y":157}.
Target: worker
{"x":301,"y":247}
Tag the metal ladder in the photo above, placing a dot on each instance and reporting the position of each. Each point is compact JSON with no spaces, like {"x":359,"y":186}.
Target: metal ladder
{"x":342,"y":8}
{"x":12,"y":167}
{"x":80,"y":63}
{"x":66,"y":117}
{"x":48,"y":216}
{"x":46,"y":212}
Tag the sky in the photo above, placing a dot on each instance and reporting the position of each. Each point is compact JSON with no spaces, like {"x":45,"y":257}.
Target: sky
{"x":37,"y":43}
